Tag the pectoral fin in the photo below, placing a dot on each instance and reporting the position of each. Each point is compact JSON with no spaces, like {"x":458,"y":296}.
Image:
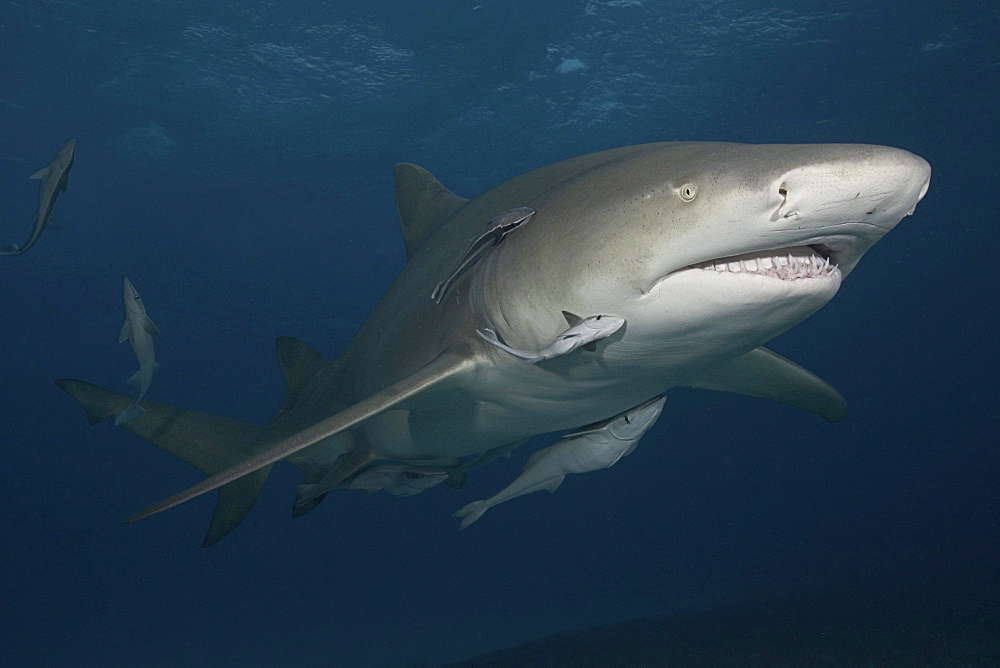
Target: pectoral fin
{"x":148,"y":325}
{"x":439,"y":370}
{"x":767,"y":375}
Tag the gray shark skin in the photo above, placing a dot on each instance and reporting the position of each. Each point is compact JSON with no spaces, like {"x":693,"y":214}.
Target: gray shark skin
{"x":54,"y":179}
{"x":706,"y":250}
{"x":139,"y":331}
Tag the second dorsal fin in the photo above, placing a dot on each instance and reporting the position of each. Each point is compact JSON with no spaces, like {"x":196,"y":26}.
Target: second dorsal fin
{"x":422,"y":203}
{"x":299,"y":363}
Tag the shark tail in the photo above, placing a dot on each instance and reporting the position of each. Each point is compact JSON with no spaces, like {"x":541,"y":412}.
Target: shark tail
{"x":471,"y":512}
{"x":207,"y":442}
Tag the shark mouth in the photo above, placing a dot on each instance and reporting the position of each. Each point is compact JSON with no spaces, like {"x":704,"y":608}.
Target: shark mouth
{"x":786,"y":264}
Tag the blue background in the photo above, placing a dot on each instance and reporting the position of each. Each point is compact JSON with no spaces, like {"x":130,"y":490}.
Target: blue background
{"x":234,"y":160}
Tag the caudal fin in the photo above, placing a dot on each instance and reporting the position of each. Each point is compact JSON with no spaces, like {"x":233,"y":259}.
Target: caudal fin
{"x":471,"y":512}
{"x":207,"y":442}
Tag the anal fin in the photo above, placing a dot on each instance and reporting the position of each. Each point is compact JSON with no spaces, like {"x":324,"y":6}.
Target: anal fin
{"x":235,"y":501}
{"x":299,"y":364}
{"x":346,"y":465}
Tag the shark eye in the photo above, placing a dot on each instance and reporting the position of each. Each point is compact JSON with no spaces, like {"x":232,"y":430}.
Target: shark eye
{"x":688,"y":192}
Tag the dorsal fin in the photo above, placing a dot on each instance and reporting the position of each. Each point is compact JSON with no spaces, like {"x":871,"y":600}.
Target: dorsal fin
{"x":572,"y":319}
{"x":299,"y":363}
{"x":421,"y":202}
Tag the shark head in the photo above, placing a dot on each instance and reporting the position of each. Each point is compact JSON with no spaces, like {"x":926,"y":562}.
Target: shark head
{"x":706,"y":250}
{"x":131,"y":299}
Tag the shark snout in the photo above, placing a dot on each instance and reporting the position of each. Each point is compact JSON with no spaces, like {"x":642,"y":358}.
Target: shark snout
{"x":908,"y":175}
{"x":845,"y":202}
{"x":923,"y":189}
{"x":878,"y":189}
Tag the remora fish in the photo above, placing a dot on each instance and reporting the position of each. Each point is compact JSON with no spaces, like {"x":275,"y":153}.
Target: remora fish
{"x":583,"y":333}
{"x":139,"y":331}
{"x":393,"y":478}
{"x":54,"y":179}
{"x":591,"y":449}
{"x":707,"y":251}
{"x":499,"y":227}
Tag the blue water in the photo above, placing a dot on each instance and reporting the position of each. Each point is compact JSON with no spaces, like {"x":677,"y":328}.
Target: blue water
{"x":234,"y":160}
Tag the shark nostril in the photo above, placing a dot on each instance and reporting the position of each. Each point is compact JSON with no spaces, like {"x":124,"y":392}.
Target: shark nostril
{"x":783,"y":210}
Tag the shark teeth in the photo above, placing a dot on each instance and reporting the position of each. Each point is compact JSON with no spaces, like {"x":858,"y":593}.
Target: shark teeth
{"x":788,"y":264}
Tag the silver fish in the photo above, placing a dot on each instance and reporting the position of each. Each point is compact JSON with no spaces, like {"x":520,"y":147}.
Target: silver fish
{"x":599,"y":446}
{"x":583,"y":333}
{"x":496,"y":230}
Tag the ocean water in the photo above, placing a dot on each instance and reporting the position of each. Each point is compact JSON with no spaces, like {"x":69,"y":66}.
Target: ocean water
{"x":233,"y":159}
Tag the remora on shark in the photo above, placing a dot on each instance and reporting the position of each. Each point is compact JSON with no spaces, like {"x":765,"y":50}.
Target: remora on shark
{"x":705,"y":250}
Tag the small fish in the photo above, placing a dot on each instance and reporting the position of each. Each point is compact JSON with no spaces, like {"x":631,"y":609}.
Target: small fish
{"x":496,"y":230}
{"x":583,"y":333}
{"x":54,"y":178}
{"x":396,"y":479}
{"x":599,"y":446}
{"x":138,"y":330}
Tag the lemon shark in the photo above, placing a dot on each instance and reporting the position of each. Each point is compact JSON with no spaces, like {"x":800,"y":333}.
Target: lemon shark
{"x":54,"y":178}
{"x":706,"y":251}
